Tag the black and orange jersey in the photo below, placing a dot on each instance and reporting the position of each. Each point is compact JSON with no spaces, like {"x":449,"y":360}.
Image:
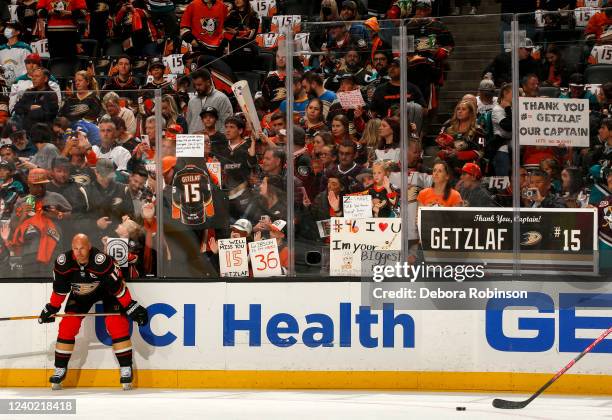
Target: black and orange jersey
{"x":192,"y":200}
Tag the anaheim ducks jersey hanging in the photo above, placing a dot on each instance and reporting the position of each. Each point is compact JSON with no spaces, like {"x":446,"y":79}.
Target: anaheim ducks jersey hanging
{"x":192,"y":200}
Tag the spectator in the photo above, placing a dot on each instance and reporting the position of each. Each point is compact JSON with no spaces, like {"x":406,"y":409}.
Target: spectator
{"x":501,"y":116}
{"x":157,"y":69}
{"x":206,"y":95}
{"x":539,"y":193}
{"x":384,"y":196}
{"x":348,"y":83}
{"x":273,"y":161}
{"x":138,"y":190}
{"x":486,"y":99}
{"x":300,"y":98}
{"x":124,"y":138}
{"x":370,"y":138}
{"x":320,"y":139}
{"x":530,"y":86}
{"x":572,"y":188}
{"x":26,"y":14}
{"x":598,"y":24}
{"x":555,"y":71}
{"x":62,"y":25}
{"x":24,"y":82}
{"x":112,"y":105}
{"x":313,"y":84}
{"x":202,"y":26}
{"x":440,"y":194}
{"x":171,"y":113}
{"x":41,"y":138}
{"x":109,"y":148}
{"x":357,"y":30}
{"x":84,"y":103}
{"x":389,"y":93}
{"x":209,"y":117}
{"x":470,"y":187}
{"x":241,"y":26}
{"x":163,"y":12}
{"x":23,"y":147}
{"x":272,"y":203}
{"x":347,"y":168}
{"x":10,"y":189}
{"x":500,"y":68}
{"x":38,"y":104}
{"x":109,"y":200}
{"x":472,"y":4}
{"x":14,"y":52}
{"x":123,"y":81}
{"x":578,"y":90}
{"x":328,"y":203}
{"x":313,"y":120}
{"x":461,"y":139}
{"x":133,"y":26}
{"x":388,"y":147}
{"x":553,"y":169}
{"x":273,"y":87}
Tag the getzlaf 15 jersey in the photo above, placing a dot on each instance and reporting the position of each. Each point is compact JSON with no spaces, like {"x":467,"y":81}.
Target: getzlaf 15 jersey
{"x":192,"y":200}
{"x":98,"y":278}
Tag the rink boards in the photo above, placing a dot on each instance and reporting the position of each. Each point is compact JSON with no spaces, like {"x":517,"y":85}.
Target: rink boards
{"x":315,"y":335}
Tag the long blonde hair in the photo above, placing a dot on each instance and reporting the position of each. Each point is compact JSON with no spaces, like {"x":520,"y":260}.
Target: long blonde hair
{"x":334,"y":16}
{"x":91,"y":81}
{"x":370,"y":137}
{"x":454,"y":122}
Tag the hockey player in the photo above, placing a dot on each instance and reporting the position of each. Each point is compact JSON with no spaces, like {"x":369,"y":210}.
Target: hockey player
{"x":88,"y":275}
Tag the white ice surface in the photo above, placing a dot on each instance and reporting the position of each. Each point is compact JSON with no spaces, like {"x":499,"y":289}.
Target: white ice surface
{"x":149,"y":404}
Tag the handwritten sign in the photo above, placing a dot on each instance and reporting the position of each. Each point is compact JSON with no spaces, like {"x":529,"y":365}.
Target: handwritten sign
{"x":324,"y":227}
{"x":41,"y":47}
{"x":554,"y":122}
{"x":174,"y":63}
{"x":282,"y":23}
{"x":264,"y":8}
{"x":353,"y":241}
{"x":265,"y":259}
{"x":233,"y":259}
{"x":351,"y":100}
{"x":214,"y":169}
{"x":189,"y":145}
{"x":357,"y":206}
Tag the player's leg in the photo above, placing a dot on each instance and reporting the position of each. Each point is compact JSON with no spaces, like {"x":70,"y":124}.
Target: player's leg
{"x":118,"y":327}
{"x":68,"y":329}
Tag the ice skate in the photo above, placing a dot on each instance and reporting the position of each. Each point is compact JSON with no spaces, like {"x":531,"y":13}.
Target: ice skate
{"x":126,"y":377}
{"x":56,"y":379}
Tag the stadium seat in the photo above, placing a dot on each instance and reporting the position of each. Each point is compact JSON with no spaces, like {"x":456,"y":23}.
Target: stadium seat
{"x":140,"y":66}
{"x":113,"y":47}
{"x":102,"y":65}
{"x":63,"y":68}
{"x":600,"y":73}
{"x":266,"y":60}
{"x":550,"y":91}
{"x":90,"y":47}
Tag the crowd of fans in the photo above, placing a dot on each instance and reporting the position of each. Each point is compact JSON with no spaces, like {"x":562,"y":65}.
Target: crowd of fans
{"x":81,"y":153}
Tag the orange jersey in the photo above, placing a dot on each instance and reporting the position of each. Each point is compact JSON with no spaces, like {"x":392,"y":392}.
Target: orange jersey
{"x":205,"y":21}
{"x":429,"y":198}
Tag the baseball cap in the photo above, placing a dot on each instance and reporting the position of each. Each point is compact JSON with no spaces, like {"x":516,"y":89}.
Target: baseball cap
{"x":8,"y":165}
{"x":33,"y":58}
{"x":278,"y":226}
{"x":423,"y":4}
{"x":60,"y":161}
{"x":486,"y":85}
{"x":472,"y":169}
{"x":243,"y":225}
{"x":348,"y":76}
{"x":209,"y":110}
{"x":105,"y":167}
{"x":168,"y":162}
{"x":156,"y":62}
{"x":10,"y":146}
{"x":38,"y":176}
{"x":57,"y":201}
{"x":363,"y":174}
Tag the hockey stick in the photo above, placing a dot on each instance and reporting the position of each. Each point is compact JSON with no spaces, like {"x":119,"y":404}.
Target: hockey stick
{"x":19,"y":318}
{"x":499,"y":403}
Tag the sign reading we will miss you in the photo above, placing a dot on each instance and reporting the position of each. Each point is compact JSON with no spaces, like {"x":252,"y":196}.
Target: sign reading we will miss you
{"x":356,"y":244}
{"x":233,"y":259}
{"x":553,"y":122}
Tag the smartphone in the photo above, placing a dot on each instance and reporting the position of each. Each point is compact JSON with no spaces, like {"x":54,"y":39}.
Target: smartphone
{"x":144,"y":139}
{"x":265,"y":219}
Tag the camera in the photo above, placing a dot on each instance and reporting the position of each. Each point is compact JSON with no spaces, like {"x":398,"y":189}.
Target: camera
{"x":530,"y":193}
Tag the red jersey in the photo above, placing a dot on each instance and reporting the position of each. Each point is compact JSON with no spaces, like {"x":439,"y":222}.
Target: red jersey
{"x":205,"y":21}
{"x":57,"y":22}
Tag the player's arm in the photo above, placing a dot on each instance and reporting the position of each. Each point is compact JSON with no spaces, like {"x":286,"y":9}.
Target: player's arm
{"x":61,"y":288}
{"x":115,"y":285}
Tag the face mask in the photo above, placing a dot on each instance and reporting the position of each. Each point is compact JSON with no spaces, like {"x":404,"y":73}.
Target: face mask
{"x":8,"y":33}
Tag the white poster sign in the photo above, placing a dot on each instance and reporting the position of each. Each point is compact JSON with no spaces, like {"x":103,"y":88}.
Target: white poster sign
{"x":265,"y":259}
{"x":554,"y":122}
{"x":354,"y":240}
{"x":357,"y":206}
{"x":189,"y":145}
{"x":233,"y":259}
{"x":351,"y":100}
{"x":175,"y":64}
{"x":41,"y":47}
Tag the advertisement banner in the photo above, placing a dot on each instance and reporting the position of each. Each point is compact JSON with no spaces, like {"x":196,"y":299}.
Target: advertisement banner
{"x":551,"y":240}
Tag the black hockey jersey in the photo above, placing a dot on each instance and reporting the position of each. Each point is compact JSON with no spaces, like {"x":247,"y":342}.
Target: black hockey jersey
{"x":99,"y":277}
{"x":192,"y":200}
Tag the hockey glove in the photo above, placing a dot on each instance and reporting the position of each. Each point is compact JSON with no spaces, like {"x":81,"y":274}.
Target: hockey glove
{"x":47,"y":314}
{"x":137,"y":313}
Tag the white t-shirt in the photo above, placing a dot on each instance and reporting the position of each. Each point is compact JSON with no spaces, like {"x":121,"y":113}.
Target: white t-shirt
{"x":118,"y":154}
